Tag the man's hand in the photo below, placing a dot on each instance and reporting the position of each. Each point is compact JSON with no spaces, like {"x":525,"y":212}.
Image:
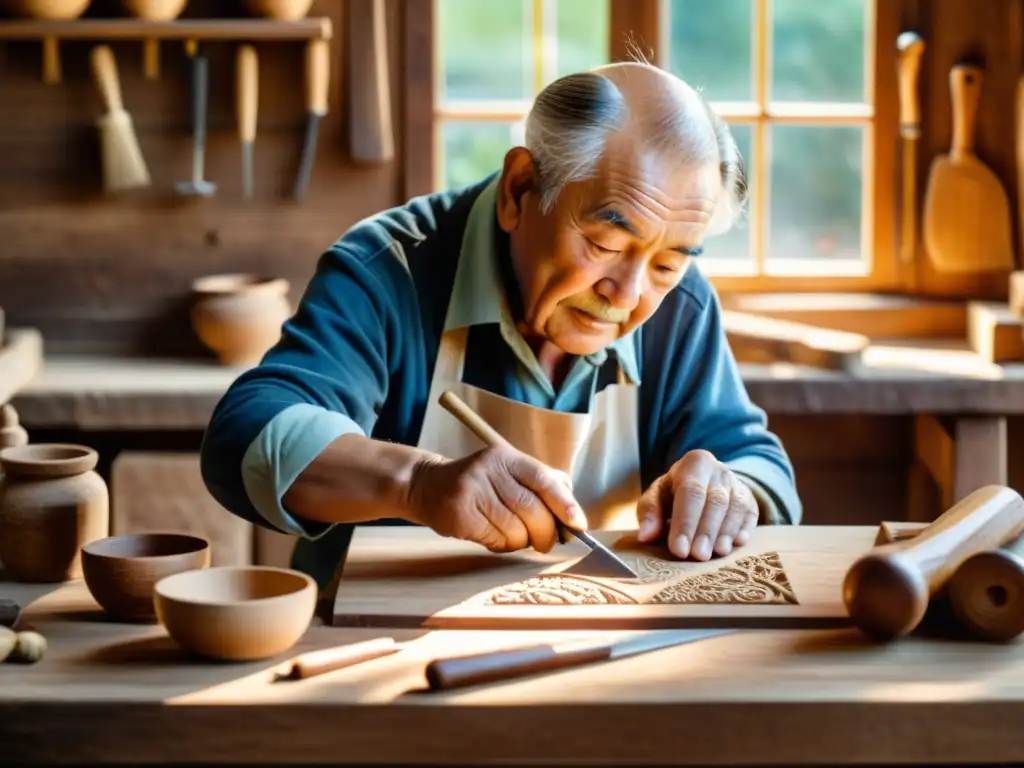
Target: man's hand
{"x":710,"y":509}
{"x":498,"y":497}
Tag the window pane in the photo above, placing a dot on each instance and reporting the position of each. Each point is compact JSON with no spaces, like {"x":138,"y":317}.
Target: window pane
{"x":582,"y":30}
{"x":709,"y":46}
{"x":486,"y":49}
{"x":734,"y":245}
{"x":816,"y":181}
{"x":818,"y":50}
{"x":474,"y":150}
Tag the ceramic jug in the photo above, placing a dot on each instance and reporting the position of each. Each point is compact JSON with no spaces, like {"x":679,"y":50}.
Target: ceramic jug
{"x":52,"y":502}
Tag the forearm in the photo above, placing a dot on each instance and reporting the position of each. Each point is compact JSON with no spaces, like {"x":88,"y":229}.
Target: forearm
{"x":357,"y":479}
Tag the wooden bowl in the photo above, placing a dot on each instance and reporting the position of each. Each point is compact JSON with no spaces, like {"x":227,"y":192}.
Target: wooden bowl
{"x":155,"y":10}
{"x":239,"y":317}
{"x":236,"y":613}
{"x":121,"y":571}
{"x":46,"y":9}
{"x":282,"y":10}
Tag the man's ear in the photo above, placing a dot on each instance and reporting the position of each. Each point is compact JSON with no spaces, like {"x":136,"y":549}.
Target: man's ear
{"x":518,"y":181}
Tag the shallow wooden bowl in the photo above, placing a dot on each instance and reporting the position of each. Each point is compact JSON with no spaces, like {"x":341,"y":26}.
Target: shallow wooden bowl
{"x":236,"y":613}
{"x":121,"y":571}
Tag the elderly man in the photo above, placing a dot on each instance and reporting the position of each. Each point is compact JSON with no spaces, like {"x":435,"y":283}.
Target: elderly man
{"x":556,"y":298}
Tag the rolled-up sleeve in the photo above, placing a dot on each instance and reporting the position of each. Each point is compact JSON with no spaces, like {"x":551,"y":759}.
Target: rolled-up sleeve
{"x":706,"y":406}
{"x":327,"y":376}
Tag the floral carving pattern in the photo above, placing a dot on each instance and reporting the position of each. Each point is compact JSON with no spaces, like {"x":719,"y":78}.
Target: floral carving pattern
{"x":557,"y":590}
{"x":758,"y":579}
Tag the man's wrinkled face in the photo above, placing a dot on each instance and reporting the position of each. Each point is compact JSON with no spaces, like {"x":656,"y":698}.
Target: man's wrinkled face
{"x":602,"y":260}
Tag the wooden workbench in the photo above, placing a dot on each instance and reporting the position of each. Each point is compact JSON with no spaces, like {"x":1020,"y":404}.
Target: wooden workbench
{"x":109,"y":692}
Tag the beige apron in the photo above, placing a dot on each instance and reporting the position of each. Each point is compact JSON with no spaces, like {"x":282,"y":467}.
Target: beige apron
{"x":600,"y":450}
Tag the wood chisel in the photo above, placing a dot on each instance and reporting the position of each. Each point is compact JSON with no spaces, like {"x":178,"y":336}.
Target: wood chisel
{"x":317,"y":79}
{"x":601,"y":561}
{"x":910,"y":47}
{"x":247,"y":101}
{"x":460,"y":671}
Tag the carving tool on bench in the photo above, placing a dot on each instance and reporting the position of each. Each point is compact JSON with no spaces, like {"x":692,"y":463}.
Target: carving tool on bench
{"x":123,"y":164}
{"x":460,"y":671}
{"x":317,"y":78}
{"x":887,"y":591}
{"x":601,"y":561}
{"x":247,"y":100}
{"x":911,"y":48}
{"x":197,"y":185}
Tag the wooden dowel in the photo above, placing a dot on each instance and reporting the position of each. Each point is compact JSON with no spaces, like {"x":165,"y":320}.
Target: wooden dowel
{"x":326,"y":660}
{"x":987,"y":592}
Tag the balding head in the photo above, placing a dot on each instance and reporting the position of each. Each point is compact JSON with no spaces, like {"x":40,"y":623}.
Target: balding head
{"x":631,"y":107}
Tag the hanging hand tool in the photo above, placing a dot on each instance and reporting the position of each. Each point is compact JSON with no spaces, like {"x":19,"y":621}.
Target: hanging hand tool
{"x":888,"y":590}
{"x":601,"y":561}
{"x":123,"y":164}
{"x":967,"y":225}
{"x":911,"y":48}
{"x":317,"y":79}
{"x":371,"y":138}
{"x":197,"y":185}
{"x":247,"y":99}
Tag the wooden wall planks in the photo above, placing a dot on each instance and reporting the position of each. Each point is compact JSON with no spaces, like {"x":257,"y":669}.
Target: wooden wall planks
{"x":97,"y":274}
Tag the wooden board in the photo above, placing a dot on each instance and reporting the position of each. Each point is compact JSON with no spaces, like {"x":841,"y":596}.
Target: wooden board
{"x":994,"y":332}
{"x":786,"y":577}
{"x":761,"y":339}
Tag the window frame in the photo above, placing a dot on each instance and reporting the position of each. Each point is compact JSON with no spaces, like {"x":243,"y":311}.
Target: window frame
{"x":640,"y":21}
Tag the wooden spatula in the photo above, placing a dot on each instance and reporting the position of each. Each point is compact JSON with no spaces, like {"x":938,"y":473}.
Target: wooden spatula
{"x":966,"y":211}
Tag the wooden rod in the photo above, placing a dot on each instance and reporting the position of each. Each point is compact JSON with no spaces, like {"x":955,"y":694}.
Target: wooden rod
{"x":181,"y":29}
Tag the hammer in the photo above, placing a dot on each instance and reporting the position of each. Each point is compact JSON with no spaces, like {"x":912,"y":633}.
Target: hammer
{"x":197,"y":185}
{"x":888,"y":590}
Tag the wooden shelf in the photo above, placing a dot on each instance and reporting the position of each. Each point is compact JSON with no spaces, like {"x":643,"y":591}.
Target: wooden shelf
{"x":183,"y":29}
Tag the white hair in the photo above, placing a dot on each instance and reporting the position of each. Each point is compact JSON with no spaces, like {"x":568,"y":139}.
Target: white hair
{"x":571,"y":119}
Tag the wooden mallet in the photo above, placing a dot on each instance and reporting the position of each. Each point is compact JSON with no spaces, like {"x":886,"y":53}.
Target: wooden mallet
{"x":888,"y":590}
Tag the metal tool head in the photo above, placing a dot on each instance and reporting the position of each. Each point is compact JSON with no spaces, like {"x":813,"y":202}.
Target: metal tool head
{"x":600,"y":562}
{"x":196,"y":188}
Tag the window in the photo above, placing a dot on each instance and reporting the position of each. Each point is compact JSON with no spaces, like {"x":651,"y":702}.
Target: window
{"x":797,"y":82}
{"x":789,"y":77}
{"x":492,"y":58}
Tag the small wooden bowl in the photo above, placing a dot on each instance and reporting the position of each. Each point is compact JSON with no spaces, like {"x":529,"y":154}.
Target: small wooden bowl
{"x":121,"y":571}
{"x":236,"y":613}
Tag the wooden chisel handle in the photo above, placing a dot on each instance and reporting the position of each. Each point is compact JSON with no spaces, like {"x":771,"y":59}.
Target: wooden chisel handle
{"x":472,"y":421}
{"x":502,"y":665}
{"x":104,"y":70}
{"x":247,"y":92}
{"x":887,"y":591}
{"x":911,"y":48}
{"x":318,"y":75}
{"x":965,"y":86}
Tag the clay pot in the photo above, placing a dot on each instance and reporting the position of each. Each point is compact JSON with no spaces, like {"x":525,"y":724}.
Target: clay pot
{"x":283,"y":10}
{"x":11,"y":431}
{"x":121,"y":571}
{"x":155,"y":10}
{"x":52,"y":503}
{"x":46,"y":9}
{"x":239,"y":317}
{"x":236,"y":613}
